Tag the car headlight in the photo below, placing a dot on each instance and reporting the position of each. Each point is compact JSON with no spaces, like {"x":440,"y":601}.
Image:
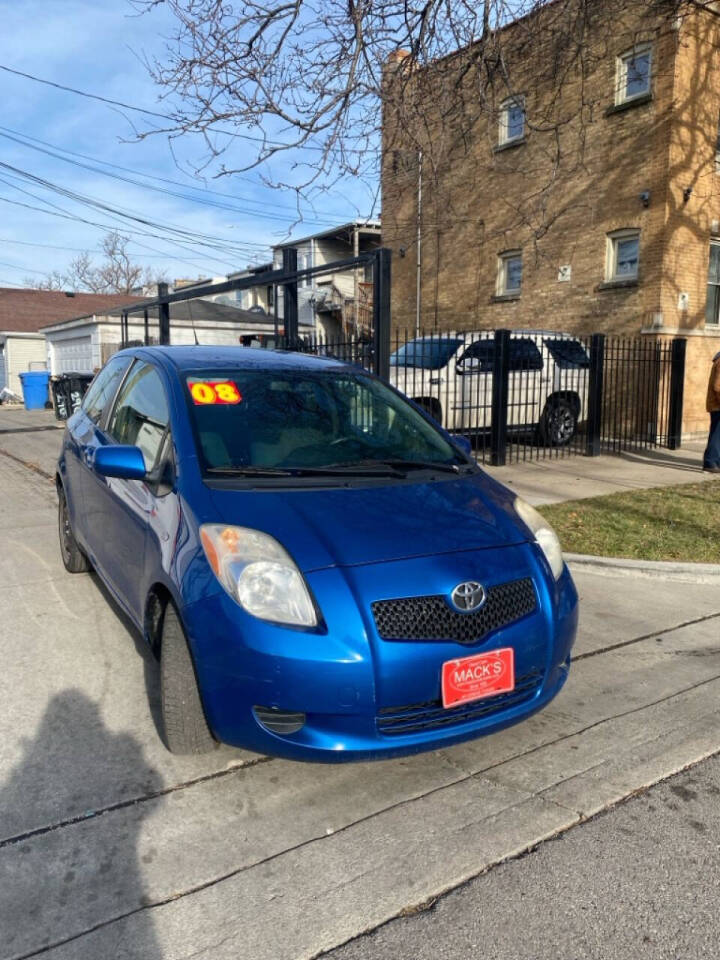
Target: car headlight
{"x":545,"y":536}
{"x":258,"y":573}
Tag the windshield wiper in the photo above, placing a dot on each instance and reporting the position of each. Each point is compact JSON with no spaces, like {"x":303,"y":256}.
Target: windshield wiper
{"x":250,"y":471}
{"x":405,"y":465}
{"x":361,"y":470}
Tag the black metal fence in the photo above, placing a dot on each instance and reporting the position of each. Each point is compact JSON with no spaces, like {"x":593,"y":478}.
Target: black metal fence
{"x":518,"y":395}
{"x":529,"y":395}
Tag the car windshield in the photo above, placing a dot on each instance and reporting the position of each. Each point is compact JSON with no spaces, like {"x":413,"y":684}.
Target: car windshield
{"x":285,"y":420}
{"x":567,"y":354}
{"x":430,"y":353}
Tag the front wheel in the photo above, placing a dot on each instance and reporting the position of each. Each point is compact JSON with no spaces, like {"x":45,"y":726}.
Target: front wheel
{"x":186,"y":729}
{"x":558,"y":424}
{"x":74,"y":560}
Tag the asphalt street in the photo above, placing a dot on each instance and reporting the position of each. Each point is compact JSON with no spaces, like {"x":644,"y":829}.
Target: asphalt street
{"x":640,"y":880}
{"x":112,"y":848}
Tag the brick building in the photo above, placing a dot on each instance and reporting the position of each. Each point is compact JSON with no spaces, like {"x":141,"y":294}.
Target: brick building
{"x":582,"y":195}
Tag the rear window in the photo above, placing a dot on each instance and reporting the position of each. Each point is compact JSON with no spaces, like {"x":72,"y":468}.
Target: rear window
{"x":568,"y":354}
{"x":429,"y":353}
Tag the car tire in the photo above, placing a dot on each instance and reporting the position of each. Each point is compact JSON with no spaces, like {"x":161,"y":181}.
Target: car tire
{"x":184,"y":723}
{"x":74,"y":560}
{"x":558,"y":424}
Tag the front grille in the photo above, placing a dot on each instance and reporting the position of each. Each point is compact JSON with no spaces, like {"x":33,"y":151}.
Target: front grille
{"x":432,"y":618}
{"x":418,"y":717}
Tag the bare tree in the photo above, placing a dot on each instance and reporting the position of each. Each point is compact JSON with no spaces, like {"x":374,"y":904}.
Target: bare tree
{"x":288,"y":76}
{"x":116,"y":273}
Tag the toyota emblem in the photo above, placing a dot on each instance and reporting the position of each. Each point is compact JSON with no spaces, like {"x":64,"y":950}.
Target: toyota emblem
{"x":468,"y":597}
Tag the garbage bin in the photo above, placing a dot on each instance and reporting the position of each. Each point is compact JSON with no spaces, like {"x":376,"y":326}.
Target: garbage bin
{"x":35,"y":388}
{"x":67,"y":391}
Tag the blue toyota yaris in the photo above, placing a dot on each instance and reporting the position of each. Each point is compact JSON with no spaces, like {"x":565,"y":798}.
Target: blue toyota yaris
{"x":323,"y":573}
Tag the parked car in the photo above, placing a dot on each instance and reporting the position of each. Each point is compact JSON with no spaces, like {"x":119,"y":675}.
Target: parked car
{"x":323,"y":572}
{"x":451,"y":375}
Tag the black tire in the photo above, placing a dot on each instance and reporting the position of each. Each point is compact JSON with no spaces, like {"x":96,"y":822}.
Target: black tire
{"x":184,"y":723}
{"x":74,"y":560}
{"x":558,"y":424}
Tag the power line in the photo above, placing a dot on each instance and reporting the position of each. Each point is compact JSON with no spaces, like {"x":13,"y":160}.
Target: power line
{"x":261,"y":213}
{"x":196,"y":239}
{"x":274,"y":144}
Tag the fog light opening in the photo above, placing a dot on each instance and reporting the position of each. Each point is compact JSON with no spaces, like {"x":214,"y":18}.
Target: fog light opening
{"x":281,"y":722}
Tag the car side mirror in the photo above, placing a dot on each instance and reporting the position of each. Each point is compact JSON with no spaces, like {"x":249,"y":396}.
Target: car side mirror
{"x":468,"y":365}
{"x":120,"y":460}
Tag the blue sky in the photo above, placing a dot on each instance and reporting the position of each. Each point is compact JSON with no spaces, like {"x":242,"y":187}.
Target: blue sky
{"x":96,"y":46}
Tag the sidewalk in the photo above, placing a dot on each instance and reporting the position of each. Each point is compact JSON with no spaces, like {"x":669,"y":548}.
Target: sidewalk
{"x":577,"y":477}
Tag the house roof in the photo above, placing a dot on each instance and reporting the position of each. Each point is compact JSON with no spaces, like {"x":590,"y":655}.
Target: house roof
{"x":26,"y":311}
{"x":364,"y":226}
{"x":193,"y":311}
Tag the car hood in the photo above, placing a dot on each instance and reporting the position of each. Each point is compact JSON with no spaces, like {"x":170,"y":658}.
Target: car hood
{"x":374,"y":523}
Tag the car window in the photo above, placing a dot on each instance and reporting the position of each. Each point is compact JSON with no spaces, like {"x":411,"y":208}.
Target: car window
{"x":524,"y":354}
{"x":479,"y":356}
{"x":103,"y":388}
{"x":141,"y":416}
{"x":428,"y":353}
{"x":568,"y":354}
{"x":295,"y":419}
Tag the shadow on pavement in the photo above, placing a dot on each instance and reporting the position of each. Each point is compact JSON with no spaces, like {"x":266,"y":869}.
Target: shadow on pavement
{"x":150,"y":664}
{"x":660,"y":458}
{"x":39,"y":911}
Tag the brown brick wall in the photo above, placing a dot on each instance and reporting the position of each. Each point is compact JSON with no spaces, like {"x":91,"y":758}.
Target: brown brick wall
{"x":478,"y":202}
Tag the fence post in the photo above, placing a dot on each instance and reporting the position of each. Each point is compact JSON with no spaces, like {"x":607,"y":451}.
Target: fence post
{"x":382,"y":278}
{"x":593,"y":443}
{"x":290,"y":297}
{"x":499,"y":413}
{"x":677,"y":387}
{"x":163,"y":315}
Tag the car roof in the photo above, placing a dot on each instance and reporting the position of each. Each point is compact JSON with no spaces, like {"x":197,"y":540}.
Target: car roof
{"x":442,"y":335}
{"x":184,"y":358}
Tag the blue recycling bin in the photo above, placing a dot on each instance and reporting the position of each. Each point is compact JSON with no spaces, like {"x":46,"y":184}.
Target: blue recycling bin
{"x":35,"y":388}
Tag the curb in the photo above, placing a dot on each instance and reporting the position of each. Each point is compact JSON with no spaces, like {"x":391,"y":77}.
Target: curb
{"x":708,"y":573}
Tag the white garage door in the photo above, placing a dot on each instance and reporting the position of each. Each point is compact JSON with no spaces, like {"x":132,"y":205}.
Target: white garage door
{"x":73,"y":355}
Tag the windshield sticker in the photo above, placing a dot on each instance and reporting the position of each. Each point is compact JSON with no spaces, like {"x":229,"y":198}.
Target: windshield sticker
{"x":204,"y":392}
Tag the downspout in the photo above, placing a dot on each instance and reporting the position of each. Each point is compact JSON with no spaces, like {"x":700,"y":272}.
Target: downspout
{"x":418,"y":292}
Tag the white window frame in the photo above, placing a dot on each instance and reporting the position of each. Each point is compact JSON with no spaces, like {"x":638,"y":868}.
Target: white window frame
{"x":621,"y":73}
{"x":504,"y":121}
{"x":611,"y":258}
{"x":502,"y":277}
{"x":713,"y":324}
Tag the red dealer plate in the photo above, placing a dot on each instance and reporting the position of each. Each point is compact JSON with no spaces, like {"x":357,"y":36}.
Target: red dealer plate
{"x":473,"y":678}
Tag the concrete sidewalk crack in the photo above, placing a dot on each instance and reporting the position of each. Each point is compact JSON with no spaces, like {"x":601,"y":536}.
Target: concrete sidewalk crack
{"x":647,"y":636}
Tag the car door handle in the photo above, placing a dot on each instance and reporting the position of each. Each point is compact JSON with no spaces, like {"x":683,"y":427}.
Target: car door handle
{"x":436,"y":381}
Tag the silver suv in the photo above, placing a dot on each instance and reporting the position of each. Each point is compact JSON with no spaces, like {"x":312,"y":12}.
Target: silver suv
{"x":451,"y":376}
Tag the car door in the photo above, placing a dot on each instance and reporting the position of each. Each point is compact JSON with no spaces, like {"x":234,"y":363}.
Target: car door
{"x":121,"y":509}
{"x":474,"y":369}
{"x":525,"y":383}
{"x":80,"y":438}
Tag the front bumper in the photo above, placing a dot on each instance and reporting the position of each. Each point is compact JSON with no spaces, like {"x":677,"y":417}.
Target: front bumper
{"x":367,"y":698}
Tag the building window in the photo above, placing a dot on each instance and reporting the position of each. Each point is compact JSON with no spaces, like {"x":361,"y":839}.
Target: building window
{"x":512,"y":120}
{"x":270,"y":297}
{"x":717,"y":150}
{"x":509,"y":273}
{"x":712,"y":307}
{"x":623,"y":255}
{"x":633,"y":74}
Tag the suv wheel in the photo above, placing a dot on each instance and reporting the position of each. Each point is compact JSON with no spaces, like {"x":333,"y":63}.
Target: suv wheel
{"x":186,"y":729}
{"x":558,"y":423}
{"x":73,"y":558}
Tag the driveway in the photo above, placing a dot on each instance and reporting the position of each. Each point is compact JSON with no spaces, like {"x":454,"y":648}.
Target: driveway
{"x":111,"y":847}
